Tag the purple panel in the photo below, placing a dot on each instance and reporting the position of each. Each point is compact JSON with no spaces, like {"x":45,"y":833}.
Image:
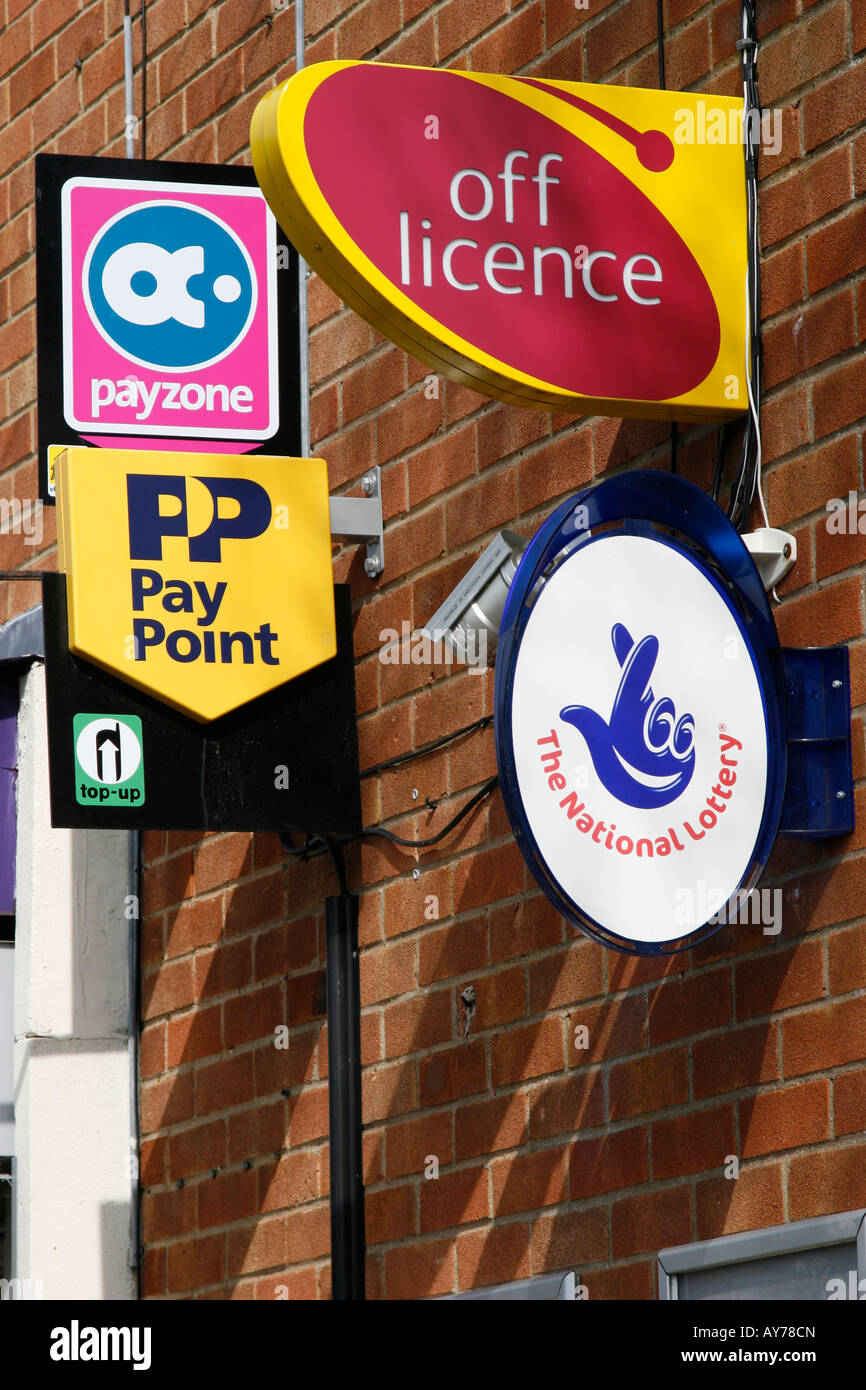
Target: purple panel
{"x":8,"y":723}
{"x":7,"y":841}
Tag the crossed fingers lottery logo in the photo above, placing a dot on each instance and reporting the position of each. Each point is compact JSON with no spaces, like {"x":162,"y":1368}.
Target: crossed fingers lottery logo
{"x":169,"y":311}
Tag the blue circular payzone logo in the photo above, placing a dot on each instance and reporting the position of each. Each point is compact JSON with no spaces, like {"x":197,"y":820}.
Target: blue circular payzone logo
{"x":169,"y":285}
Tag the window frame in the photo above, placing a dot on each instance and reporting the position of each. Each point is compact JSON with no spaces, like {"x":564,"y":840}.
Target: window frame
{"x":838,"y":1228}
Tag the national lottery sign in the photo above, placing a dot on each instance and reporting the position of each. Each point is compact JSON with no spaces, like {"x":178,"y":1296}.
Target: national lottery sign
{"x":160,"y":301}
{"x":204,"y":580}
{"x":640,"y":717}
{"x":555,"y":244}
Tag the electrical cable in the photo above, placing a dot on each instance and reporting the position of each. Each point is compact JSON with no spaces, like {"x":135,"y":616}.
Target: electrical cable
{"x":316,"y":845}
{"x":400,"y":758}
{"x":747,"y":482}
{"x":440,"y":835}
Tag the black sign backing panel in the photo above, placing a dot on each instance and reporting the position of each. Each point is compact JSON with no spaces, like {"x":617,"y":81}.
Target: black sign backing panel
{"x":285,"y":762}
{"x":53,"y":172}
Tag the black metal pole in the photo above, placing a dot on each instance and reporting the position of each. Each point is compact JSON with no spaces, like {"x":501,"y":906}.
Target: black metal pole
{"x":344,"y":1098}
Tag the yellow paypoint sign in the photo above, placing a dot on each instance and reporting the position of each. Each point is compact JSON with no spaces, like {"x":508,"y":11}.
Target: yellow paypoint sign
{"x":558,"y":245}
{"x":203,"y":579}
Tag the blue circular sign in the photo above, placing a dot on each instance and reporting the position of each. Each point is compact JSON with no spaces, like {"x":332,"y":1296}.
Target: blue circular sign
{"x":640,"y":716}
{"x":169,"y":286}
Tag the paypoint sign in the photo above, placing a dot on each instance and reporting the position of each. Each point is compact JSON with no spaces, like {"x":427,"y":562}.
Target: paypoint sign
{"x":554,"y":244}
{"x":202,"y":579}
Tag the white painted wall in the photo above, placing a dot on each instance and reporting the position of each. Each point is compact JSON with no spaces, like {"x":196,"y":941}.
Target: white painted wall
{"x":73,"y":1120}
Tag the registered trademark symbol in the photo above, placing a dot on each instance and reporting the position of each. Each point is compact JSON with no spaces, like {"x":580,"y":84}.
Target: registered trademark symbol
{"x":722,"y":728}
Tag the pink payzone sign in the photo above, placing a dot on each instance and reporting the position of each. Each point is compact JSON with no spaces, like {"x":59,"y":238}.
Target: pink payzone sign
{"x":169,"y":312}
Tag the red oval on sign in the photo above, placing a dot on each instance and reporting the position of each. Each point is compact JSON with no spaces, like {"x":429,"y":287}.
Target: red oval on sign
{"x":511,"y":232}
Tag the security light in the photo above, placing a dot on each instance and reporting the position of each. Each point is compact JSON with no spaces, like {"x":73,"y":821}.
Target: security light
{"x":475,"y":606}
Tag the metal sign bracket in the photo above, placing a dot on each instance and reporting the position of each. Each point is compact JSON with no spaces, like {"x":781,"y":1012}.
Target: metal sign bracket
{"x":360,"y":519}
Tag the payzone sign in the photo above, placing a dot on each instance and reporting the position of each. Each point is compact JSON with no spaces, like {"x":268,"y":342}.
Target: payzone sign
{"x":202,"y":579}
{"x":169,"y":310}
{"x":554,"y":244}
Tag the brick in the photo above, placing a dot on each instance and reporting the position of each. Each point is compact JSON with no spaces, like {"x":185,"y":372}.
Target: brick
{"x":794,"y":59}
{"x":335,"y":344}
{"x":530,"y":1180}
{"x":391,"y":1213}
{"x":626,"y":1281}
{"x":459,"y":24}
{"x":452,"y":951}
{"x":693,"y":1143}
{"x":452,"y":1073}
{"x":488,"y":877}
{"x":779,"y":981}
{"x":489,"y":1125}
{"x":573,"y":973}
{"x":409,"y":1145}
{"x":804,"y":484}
{"x":284,"y":948}
{"x":36,"y":76}
{"x":847,"y":951}
{"x":263,"y":1246}
{"x":420,"y":1269}
{"x":151,"y":1057}
{"x":618,"y":36}
{"x":227,"y":1197}
{"x":525,"y":926}
{"x":258,"y":1131}
{"x":824,"y":330}
{"x":823,"y":1037}
{"x":837,"y":250}
{"x":828,"y":1181}
{"x":785,"y":1119}
{"x":454,"y":1199}
{"x":193,"y":1035}
{"x":197,"y":1148}
{"x":493,"y":1255}
{"x":650,"y":1221}
{"x":506,"y":47}
{"x":651,"y":1082}
{"x":695,"y":1005}
{"x":224,"y":969}
{"x":483,"y":507}
{"x":833,"y":611}
{"x":254,"y":903}
{"x":196,"y":923}
{"x":839,"y":397}
{"x":165,"y":1102}
{"x":387,"y":971}
{"x":562,"y":1240}
{"x":805,"y":196}
{"x":849,"y":1102}
{"x":308,"y":1115}
{"x":419,"y":1023}
{"x":168,"y":988}
{"x":376,"y":381}
{"x":391,"y":1090}
{"x":836,"y":105}
{"x":755,"y":1199}
{"x":613,"y":1029}
{"x":192,"y":1264}
{"x":566,"y":1106}
{"x":737,"y":1058}
{"x":782,"y":279}
{"x":608,"y":1163}
{"x":225,"y":1083}
{"x":524,"y":1052}
{"x":785,"y":423}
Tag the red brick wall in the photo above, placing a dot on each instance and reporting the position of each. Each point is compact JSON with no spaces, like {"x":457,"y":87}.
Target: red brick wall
{"x":755,"y":1046}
